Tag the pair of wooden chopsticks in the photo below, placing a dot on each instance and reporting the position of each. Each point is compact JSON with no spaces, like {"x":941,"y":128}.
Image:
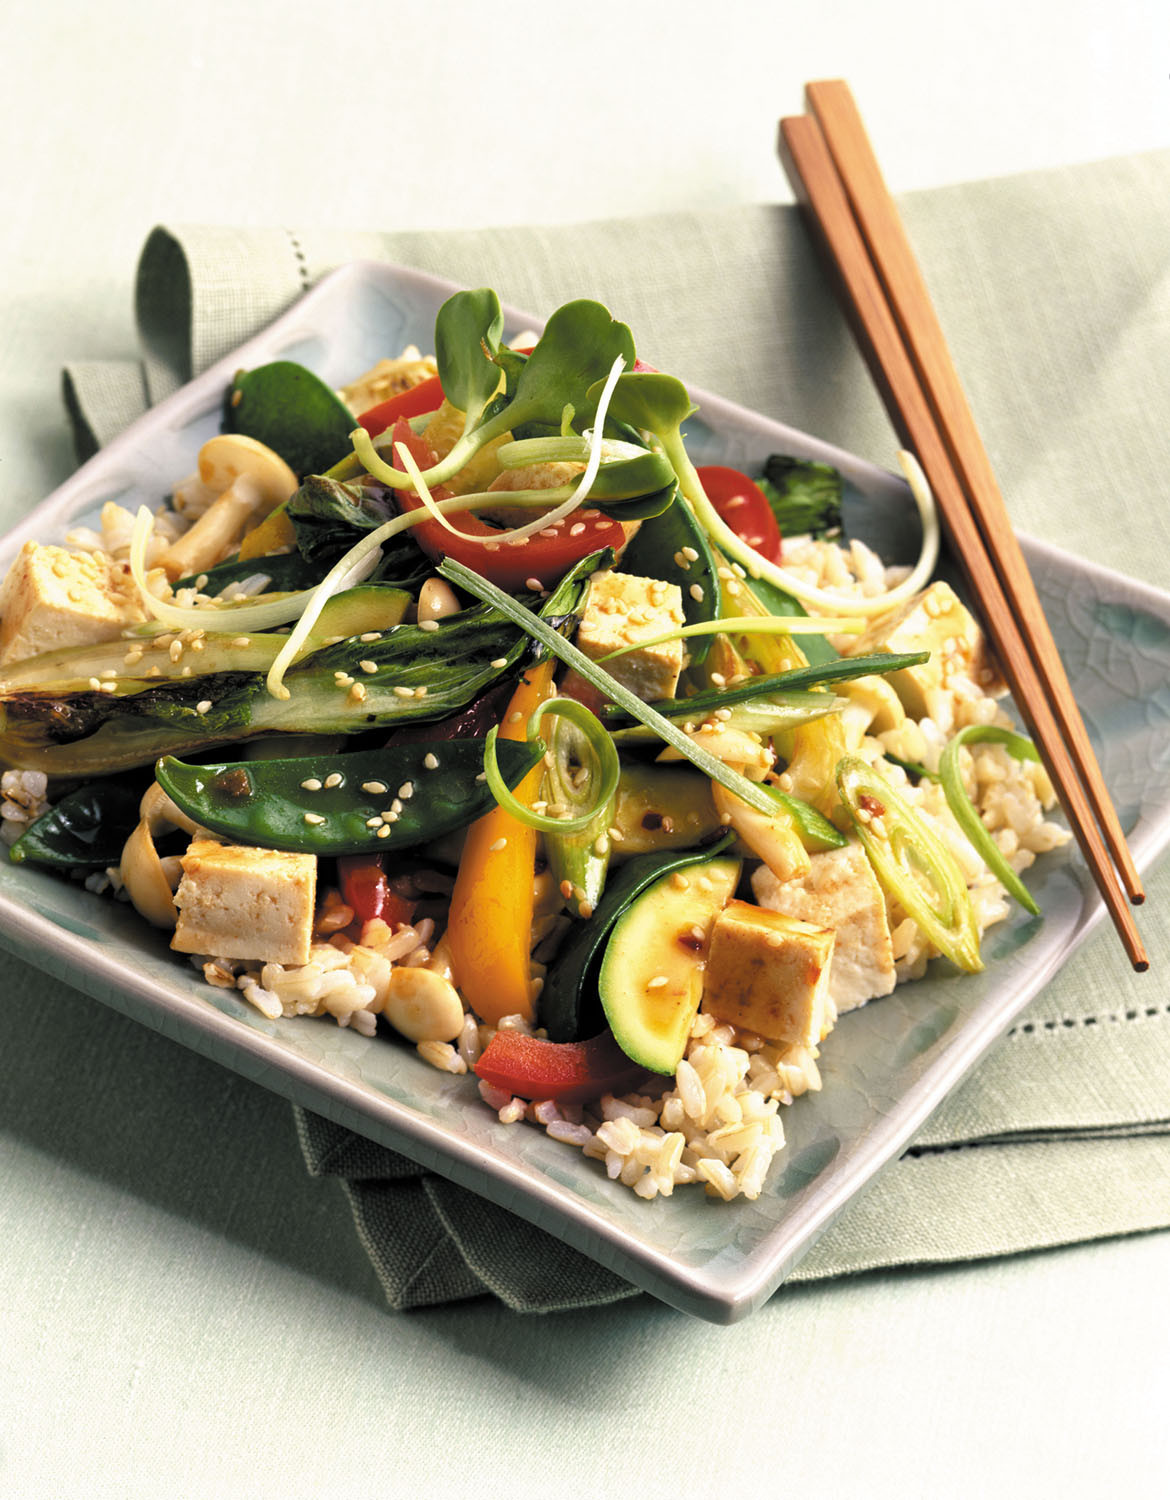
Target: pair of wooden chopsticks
{"x":836,"y":178}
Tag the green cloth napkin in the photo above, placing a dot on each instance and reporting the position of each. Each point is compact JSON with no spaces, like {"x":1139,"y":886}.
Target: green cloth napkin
{"x":1054,"y":289}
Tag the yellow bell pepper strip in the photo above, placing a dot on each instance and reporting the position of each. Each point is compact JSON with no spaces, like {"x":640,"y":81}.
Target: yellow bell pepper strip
{"x":489,"y":931}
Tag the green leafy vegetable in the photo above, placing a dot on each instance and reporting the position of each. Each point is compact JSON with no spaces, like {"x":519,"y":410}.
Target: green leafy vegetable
{"x":292,"y":411}
{"x":805,"y":496}
{"x":416,"y":674}
{"x":84,"y":830}
{"x":576,"y":352}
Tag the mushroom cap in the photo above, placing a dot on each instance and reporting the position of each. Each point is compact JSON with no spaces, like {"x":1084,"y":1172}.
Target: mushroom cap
{"x":231,"y":456}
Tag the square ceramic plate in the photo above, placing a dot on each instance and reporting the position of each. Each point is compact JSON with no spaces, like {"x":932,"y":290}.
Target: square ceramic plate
{"x":885,"y":1068}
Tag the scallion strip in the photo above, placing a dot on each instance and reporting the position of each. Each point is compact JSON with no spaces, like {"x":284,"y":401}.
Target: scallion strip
{"x":904,"y":850}
{"x":773,"y":625}
{"x":606,"y":774}
{"x":608,"y":686}
{"x":964,"y":810}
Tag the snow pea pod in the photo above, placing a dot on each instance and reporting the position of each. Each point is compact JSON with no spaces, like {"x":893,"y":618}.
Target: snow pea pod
{"x":365,"y":800}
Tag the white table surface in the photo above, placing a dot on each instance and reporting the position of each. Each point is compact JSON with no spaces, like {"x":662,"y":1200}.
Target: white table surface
{"x":146,"y":1351}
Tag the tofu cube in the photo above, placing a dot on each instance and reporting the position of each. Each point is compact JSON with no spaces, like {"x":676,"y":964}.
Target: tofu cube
{"x":53,"y":598}
{"x":769,"y":973}
{"x":624,"y":609}
{"x":934,"y":621}
{"x":840,"y":891}
{"x":239,"y":902}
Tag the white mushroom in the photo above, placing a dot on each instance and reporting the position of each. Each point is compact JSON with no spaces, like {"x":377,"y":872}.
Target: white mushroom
{"x":248,"y":480}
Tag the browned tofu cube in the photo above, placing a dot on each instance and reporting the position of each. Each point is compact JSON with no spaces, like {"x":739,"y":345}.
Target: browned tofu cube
{"x":769,"y":973}
{"x":239,"y":902}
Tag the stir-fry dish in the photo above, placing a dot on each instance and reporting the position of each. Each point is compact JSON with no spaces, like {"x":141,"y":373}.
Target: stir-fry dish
{"x":460,"y":707}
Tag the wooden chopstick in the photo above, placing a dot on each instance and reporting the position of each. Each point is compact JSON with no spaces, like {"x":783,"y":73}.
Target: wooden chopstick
{"x":815,"y":181}
{"x":836,"y":112}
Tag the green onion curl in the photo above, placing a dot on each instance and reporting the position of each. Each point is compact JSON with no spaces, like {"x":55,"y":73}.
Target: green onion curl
{"x":603,"y":775}
{"x":965,"y":813}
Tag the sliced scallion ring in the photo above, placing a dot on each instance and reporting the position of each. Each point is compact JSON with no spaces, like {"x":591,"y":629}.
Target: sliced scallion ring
{"x":604,"y":777}
{"x":912,"y":863}
{"x":965,"y":813}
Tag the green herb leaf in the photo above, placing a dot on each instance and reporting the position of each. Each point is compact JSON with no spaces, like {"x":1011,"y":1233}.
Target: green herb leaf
{"x":292,"y":411}
{"x":805,"y":496}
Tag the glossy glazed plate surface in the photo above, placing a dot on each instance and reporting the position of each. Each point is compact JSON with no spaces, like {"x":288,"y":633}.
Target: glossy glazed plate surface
{"x":885,"y":1067}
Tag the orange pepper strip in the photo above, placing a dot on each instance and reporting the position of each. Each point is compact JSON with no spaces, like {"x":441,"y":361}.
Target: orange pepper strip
{"x":490,"y":927}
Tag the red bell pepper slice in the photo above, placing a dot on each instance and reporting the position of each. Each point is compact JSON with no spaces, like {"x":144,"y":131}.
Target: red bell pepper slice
{"x":364,"y":887}
{"x":415,"y":402}
{"x":545,"y":558}
{"x":742,"y":504}
{"x":534,"y":1068}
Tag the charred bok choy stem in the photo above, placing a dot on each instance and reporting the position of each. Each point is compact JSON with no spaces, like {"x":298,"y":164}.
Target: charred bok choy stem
{"x":965,"y":814}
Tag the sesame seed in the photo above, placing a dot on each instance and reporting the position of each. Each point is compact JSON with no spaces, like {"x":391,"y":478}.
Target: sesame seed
{"x":534,"y":584}
{"x":431,"y":761}
{"x":314,"y":819}
{"x":384,"y":831}
{"x":370,"y":635}
{"x":497,"y":662}
{"x":617,"y":835}
{"x":548,"y":531}
{"x":584,"y":910}
{"x":601,"y":844}
{"x":403,"y":692}
{"x":718,"y":679}
{"x":497,"y":846}
{"x":368,"y":666}
{"x":696,"y":591}
{"x":515,"y":717}
{"x":132,"y":658}
{"x":690,"y":554}
{"x":566,"y":888}
{"x":94,"y":685}
{"x":176,"y":650}
{"x":108,"y":687}
{"x":421,"y":692}
{"x":738,"y":570}
{"x":312,"y":785}
{"x":725,"y":819}
{"x":406,"y":789}
{"x":482,"y":776}
{"x":659,"y":982}
{"x":375,"y":788}
{"x":428,"y":624}
{"x":203,"y":707}
{"x":242,"y":640}
{"x":357,"y":692}
{"x":680,"y":881}
{"x":577,"y":528}
{"x":723,"y":713}
{"x":334,"y":778}
{"x":374,"y":822}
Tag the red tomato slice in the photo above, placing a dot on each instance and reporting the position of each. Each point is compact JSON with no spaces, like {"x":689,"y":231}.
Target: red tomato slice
{"x":532,"y":1067}
{"x":364,"y":888}
{"x":544,"y":558}
{"x":419,"y":399}
{"x":742,"y":504}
